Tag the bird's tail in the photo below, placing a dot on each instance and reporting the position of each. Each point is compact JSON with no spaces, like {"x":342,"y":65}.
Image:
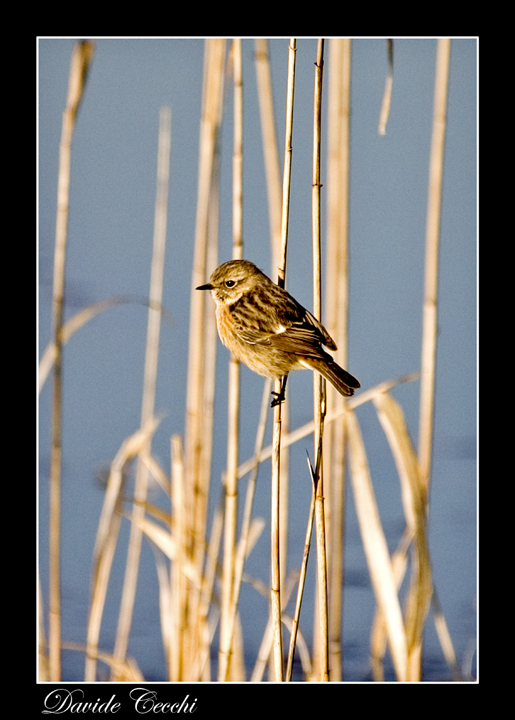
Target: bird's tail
{"x":343,"y":381}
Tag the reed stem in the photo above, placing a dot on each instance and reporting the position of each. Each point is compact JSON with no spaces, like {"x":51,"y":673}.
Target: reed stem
{"x":430,"y":318}
{"x":149,"y":382}
{"x":80,"y":61}
{"x":231,"y":476}
{"x":202,"y":334}
{"x":336,"y":317}
{"x":318,"y":381}
{"x":275,"y":573}
{"x":302,"y":579}
{"x":270,"y":150}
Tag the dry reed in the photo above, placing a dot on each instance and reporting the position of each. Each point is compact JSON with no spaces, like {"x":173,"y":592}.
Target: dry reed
{"x":302,"y":579}
{"x":336,"y":318}
{"x":321,"y":628}
{"x":274,"y":193}
{"x":229,"y":609}
{"x":149,"y":382}
{"x":202,"y":343}
{"x":275,"y":571}
{"x":107,"y":535}
{"x":429,"y":329}
{"x":81,"y":58}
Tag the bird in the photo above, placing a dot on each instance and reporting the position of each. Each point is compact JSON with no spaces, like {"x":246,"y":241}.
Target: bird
{"x":268,"y":330}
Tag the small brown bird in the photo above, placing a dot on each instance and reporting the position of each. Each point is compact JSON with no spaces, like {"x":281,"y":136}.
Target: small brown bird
{"x":268,"y":330}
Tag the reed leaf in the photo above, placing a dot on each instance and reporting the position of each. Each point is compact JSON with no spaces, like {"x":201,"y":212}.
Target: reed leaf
{"x":164,"y":540}
{"x":393,"y":422}
{"x":128,"y":671}
{"x":107,"y":535}
{"x":298,"y":434}
{"x":376,"y":549}
{"x":75,"y":323}
{"x":302,"y":580}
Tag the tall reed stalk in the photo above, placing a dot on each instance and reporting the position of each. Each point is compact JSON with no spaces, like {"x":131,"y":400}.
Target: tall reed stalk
{"x":270,"y":151}
{"x":420,"y":599}
{"x":149,"y":382}
{"x":430,"y":317}
{"x":275,"y":572}
{"x":81,"y":58}
{"x":336,"y":317}
{"x":274,"y":192}
{"x":229,"y":608}
{"x":322,"y":656}
{"x":202,"y":338}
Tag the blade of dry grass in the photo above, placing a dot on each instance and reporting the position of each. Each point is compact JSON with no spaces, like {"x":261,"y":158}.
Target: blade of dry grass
{"x":421,"y":593}
{"x":302,"y":646}
{"x":76,"y":322}
{"x":165,"y":541}
{"x":302,"y":578}
{"x":414,"y":497}
{"x":200,"y":666}
{"x":378,"y":638}
{"x":107,"y":535}
{"x":165,"y":602}
{"x":352,"y":403}
{"x":127,"y":671}
{"x":376,"y":549}
{"x":80,"y":61}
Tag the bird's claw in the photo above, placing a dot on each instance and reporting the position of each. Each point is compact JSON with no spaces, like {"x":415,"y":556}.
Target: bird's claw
{"x":280,"y":397}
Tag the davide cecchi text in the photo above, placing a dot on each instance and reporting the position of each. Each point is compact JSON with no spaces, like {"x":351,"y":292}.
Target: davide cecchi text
{"x":143,"y":700}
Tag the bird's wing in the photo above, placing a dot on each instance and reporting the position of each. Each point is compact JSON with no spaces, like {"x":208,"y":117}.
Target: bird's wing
{"x":299,"y":337}
{"x":290,"y":328}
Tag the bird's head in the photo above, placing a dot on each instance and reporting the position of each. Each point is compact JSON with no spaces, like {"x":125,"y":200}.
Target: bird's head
{"x":231,"y":280}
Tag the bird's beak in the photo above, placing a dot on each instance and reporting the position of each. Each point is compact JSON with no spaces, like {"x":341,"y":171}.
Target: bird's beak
{"x":207,"y":286}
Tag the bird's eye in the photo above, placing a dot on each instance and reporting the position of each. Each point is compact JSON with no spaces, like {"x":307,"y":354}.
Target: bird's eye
{"x":230,"y":283}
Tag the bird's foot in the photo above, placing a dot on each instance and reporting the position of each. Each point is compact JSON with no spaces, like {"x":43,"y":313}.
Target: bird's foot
{"x":280,"y":397}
